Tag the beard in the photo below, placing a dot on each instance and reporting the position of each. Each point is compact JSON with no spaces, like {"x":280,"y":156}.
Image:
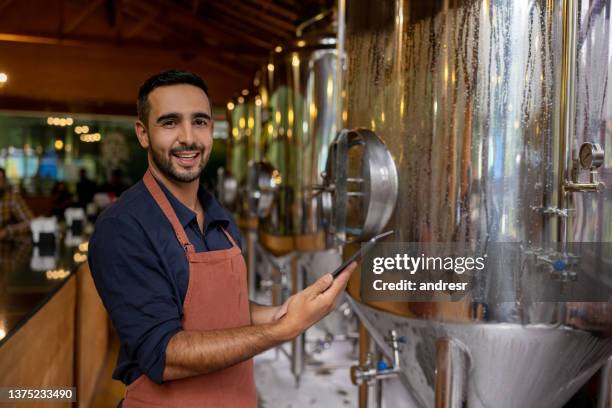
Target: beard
{"x":174,"y":172}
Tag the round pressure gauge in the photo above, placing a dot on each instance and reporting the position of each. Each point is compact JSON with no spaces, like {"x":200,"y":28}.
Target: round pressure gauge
{"x":591,"y":155}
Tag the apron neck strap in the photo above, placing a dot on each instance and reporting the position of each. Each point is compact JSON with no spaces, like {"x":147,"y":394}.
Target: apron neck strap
{"x":161,"y":200}
{"x":229,"y":237}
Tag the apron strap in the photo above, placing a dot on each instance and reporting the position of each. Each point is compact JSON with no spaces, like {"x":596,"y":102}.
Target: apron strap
{"x":229,"y":237}
{"x":167,"y":209}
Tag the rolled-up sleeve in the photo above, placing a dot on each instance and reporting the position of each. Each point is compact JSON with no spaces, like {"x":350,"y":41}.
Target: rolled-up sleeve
{"x":136,"y":291}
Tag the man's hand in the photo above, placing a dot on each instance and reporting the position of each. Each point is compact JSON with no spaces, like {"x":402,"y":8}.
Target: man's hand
{"x":261,"y":314}
{"x":191,"y":353}
{"x":3,"y":233}
{"x":282,"y":309}
{"x":307,"y":307}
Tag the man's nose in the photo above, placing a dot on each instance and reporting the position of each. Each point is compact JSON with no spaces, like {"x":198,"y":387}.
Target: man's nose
{"x":186,"y":135}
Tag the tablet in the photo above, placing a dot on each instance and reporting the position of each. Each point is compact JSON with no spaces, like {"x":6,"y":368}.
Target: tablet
{"x":364,"y":249}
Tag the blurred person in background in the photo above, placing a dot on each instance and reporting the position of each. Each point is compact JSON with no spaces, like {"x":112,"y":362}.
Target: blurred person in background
{"x":15,"y":216}
{"x":86,"y":189}
{"x":61,"y":198}
{"x":115,"y":185}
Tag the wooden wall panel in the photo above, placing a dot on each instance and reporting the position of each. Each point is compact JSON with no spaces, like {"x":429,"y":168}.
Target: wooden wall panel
{"x":41,"y":353}
{"x":91,"y":336}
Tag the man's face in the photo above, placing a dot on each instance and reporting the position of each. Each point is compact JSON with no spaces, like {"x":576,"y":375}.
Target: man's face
{"x":179,"y":131}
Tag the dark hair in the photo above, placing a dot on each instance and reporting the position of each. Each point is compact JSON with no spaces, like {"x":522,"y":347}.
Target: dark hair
{"x":166,"y":78}
{"x":3,"y":171}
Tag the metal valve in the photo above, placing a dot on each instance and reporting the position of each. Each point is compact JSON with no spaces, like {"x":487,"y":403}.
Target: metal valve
{"x":561,"y":265}
{"x":368,"y":373}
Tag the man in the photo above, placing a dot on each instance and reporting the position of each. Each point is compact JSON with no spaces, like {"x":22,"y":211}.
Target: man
{"x":166,"y":261}
{"x":15,"y":216}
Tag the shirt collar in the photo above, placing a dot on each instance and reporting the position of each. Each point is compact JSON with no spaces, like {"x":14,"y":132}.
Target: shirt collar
{"x":214,"y":213}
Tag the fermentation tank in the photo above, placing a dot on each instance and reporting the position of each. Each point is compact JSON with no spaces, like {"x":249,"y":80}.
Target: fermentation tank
{"x":299,"y":98}
{"x":485,"y":118}
{"x":235,"y":181}
{"x":302,"y":123}
{"x":233,"y":178}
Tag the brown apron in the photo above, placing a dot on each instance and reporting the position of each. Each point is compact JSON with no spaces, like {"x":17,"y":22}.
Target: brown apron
{"x":217,"y":298}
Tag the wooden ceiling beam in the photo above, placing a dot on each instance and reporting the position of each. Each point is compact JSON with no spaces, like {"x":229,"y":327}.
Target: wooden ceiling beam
{"x":224,"y":51}
{"x":5,"y":3}
{"x":44,"y":39}
{"x":268,"y":5}
{"x":233,"y":13}
{"x":61,"y":14}
{"x":287,"y":3}
{"x":238,"y":71}
{"x":117,"y":11}
{"x":180,"y":16}
{"x":39,"y":39}
{"x":280,"y":22}
{"x":164,"y":28}
{"x":91,"y":7}
{"x":142,"y":24}
{"x":234,"y":28}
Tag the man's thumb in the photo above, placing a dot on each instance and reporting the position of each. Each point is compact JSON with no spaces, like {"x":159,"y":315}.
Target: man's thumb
{"x":321,"y":284}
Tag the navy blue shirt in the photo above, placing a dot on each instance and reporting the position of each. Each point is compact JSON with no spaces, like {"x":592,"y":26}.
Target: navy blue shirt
{"x":141,"y":272}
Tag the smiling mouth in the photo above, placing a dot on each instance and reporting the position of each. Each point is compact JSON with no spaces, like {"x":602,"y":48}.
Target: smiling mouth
{"x":186,"y":158}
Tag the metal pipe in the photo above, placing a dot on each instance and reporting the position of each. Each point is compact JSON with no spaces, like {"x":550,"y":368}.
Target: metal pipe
{"x":297,"y":344}
{"x":567,"y":117}
{"x":375,"y":387}
{"x":452,"y":365}
{"x":364,"y":346}
{"x":284,"y":352}
{"x":340,"y":61}
{"x":300,"y":28}
{"x":584,"y":187}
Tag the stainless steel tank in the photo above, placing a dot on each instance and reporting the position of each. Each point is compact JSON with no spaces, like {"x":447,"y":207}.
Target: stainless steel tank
{"x":244,"y":149}
{"x":298,"y":90}
{"x":240,"y":188}
{"x":262,"y":177}
{"x":484,"y":108}
{"x":301,"y":124}
{"x":236,"y":169}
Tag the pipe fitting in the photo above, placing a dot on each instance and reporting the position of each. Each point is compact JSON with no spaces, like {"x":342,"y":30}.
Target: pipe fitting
{"x":369,"y":373}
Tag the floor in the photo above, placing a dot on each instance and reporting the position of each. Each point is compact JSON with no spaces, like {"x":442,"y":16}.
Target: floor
{"x":324,"y":383}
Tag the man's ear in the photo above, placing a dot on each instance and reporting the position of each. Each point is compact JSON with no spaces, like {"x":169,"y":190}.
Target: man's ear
{"x":141,"y":133}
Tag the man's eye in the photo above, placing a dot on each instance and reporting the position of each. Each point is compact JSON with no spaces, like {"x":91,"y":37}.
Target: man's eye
{"x":200,"y":122}
{"x":168,"y":123}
